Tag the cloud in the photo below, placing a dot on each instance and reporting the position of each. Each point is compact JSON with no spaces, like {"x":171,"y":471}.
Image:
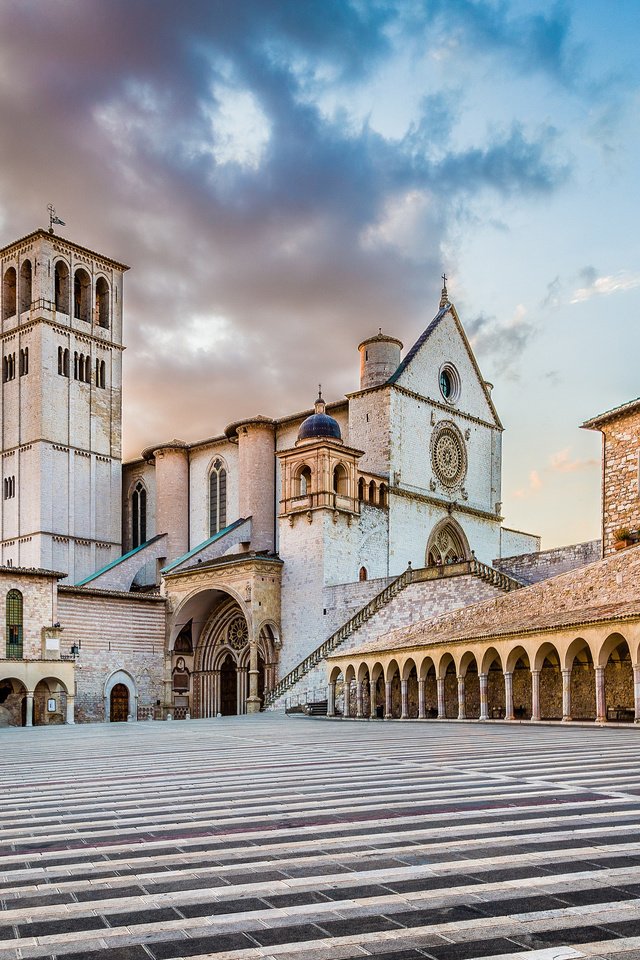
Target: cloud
{"x":532,"y":43}
{"x":552,"y":298}
{"x":502,"y":344}
{"x":605,"y":285}
{"x":561,"y":462}
{"x":534,"y":484}
{"x":266,"y":234}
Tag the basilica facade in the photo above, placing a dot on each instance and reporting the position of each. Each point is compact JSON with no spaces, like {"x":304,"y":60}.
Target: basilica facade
{"x":215,"y":577}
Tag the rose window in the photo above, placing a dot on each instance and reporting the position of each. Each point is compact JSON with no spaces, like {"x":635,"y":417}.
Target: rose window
{"x":448,"y":455}
{"x":237,"y":633}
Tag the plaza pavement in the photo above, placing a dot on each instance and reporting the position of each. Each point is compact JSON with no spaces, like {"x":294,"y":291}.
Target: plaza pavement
{"x":302,"y":839}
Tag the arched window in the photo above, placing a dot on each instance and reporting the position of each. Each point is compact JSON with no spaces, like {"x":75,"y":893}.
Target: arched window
{"x":304,"y":482}
{"x":25,"y":286}
{"x":65,"y":363}
{"x":102,"y":302}
{"x":62,"y":287}
{"x":217,"y":498}
{"x":363,"y":575}
{"x":9,"y":293}
{"x":103,"y":374}
{"x":24,"y":361}
{"x":139,"y":515}
{"x":9,"y":367}
{"x":82,"y":295}
{"x":14,"y":625}
{"x":340,"y":480}
{"x":75,"y":364}
{"x":87,"y":369}
{"x":100,"y":373}
{"x":372,"y":491}
{"x":382,"y":498}
{"x":361,"y":488}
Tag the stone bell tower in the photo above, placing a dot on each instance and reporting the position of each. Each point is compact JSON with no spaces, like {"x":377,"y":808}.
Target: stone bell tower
{"x":61,"y":405}
{"x":319,"y":527}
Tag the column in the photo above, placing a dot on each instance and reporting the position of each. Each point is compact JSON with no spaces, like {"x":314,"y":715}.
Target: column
{"x":535,"y":694}
{"x":601,"y":706}
{"x":346,"y":689}
{"x":508,"y":695}
{"x":404,"y":696}
{"x":461,"y":703}
{"x":484,"y":696}
{"x":441,"y":706}
{"x":373,"y":696}
{"x":421,"y":699}
{"x":253,"y":700}
{"x":566,"y":695}
{"x":636,"y":690}
{"x":388,"y":707}
{"x":331,"y":700}
{"x":28,"y":722}
{"x":70,"y":710}
{"x":359,"y":698}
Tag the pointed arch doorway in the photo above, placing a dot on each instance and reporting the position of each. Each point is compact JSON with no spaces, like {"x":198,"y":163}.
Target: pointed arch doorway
{"x":447,"y":544}
{"x":229,"y":686}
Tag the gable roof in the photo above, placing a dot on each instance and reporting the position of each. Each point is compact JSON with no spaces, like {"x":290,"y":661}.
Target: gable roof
{"x":446,"y":309}
{"x":595,"y":423}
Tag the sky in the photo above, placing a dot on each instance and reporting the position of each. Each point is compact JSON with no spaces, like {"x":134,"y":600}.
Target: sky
{"x":284,"y":177}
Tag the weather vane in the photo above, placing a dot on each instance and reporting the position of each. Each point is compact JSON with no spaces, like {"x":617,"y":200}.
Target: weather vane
{"x":54,"y":218}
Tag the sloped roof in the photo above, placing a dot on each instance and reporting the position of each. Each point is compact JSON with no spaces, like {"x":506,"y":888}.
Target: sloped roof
{"x":632,"y":406}
{"x":447,"y":308}
{"x":600,"y":591}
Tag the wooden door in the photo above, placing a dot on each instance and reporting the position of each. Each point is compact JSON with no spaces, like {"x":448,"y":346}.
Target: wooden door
{"x":119,"y":704}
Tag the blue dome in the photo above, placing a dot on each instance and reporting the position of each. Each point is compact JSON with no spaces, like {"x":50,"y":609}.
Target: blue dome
{"x":319,"y":425}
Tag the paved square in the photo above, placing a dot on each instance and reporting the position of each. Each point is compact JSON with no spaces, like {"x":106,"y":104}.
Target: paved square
{"x":258,"y":837}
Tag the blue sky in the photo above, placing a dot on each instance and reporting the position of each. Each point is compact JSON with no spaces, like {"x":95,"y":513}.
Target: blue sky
{"x":285,"y":177}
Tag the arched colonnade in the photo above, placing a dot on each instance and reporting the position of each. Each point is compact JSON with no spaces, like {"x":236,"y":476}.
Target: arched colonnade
{"x":594,"y":675}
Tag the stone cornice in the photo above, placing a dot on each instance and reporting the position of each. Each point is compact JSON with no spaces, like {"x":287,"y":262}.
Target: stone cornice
{"x":67,"y":245}
{"x":127,"y":595}
{"x":456,"y":506}
{"x":64,"y":330}
{"x":218,"y":565}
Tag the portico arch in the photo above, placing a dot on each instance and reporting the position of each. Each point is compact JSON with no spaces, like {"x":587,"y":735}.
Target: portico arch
{"x":615,"y":658}
{"x":468,"y":670}
{"x":492,"y":670}
{"x":547,"y":662}
{"x":579,"y":661}
{"x":447,"y":542}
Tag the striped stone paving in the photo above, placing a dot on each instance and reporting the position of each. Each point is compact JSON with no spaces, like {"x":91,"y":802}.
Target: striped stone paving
{"x":302,"y":839}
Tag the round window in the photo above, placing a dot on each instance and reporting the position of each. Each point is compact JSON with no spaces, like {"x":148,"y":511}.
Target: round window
{"x":448,"y":455}
{"x":449,"y":381}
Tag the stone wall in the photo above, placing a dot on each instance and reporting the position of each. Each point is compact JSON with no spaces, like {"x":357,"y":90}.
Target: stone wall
{"x":533,"y":567}
{"x":115,"y":632}
{"x":416,"y":602}
{"x":621,"y":494}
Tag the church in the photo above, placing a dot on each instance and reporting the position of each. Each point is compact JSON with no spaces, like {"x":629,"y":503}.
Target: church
{"x":215,"y":577}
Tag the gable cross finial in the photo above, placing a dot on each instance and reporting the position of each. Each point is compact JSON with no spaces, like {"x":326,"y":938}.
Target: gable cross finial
{"x":444,"y":297}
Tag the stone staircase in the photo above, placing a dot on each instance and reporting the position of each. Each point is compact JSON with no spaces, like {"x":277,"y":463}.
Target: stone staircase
{"x":434,"y":590}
